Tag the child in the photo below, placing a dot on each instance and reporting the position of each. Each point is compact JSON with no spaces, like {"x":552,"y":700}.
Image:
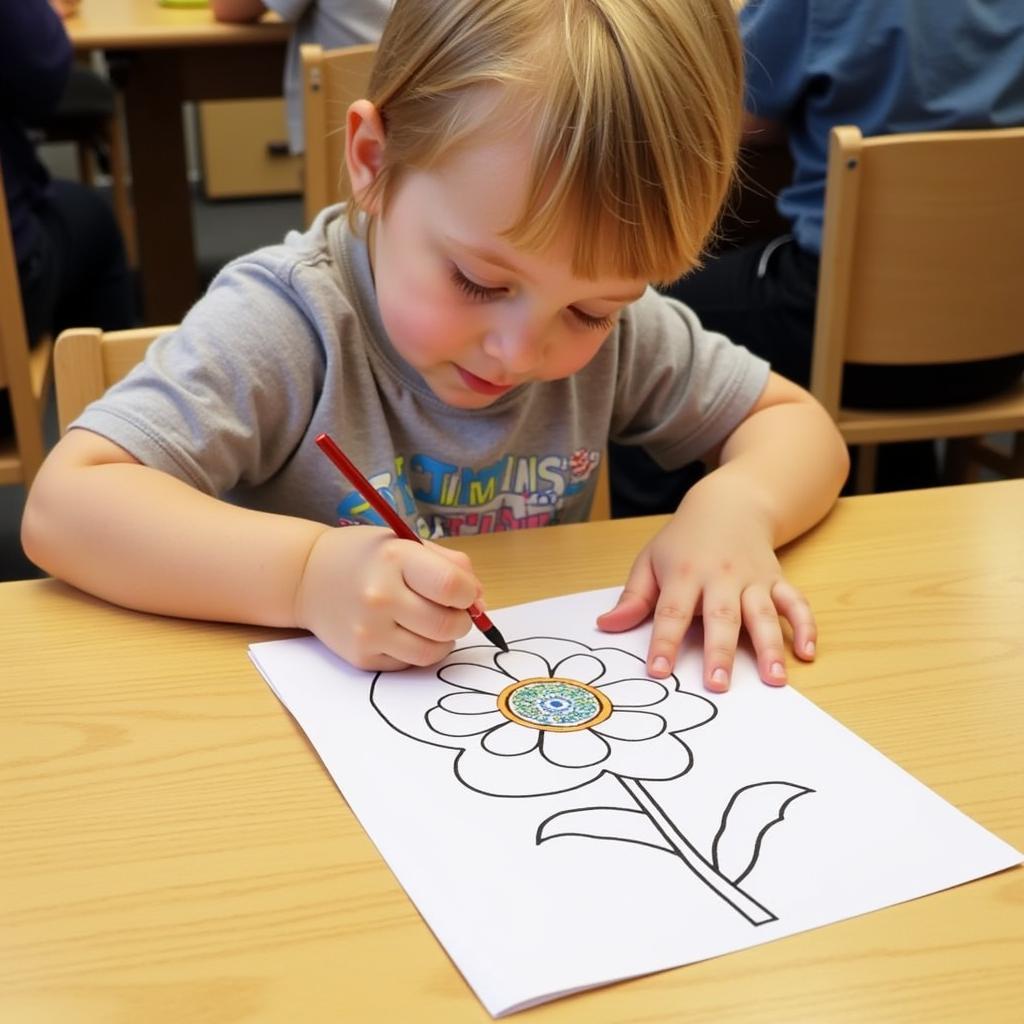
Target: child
{"x":471,"y":331}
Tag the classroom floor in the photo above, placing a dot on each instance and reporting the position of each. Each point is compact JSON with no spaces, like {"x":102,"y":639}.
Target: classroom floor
{"x":223,"y":229}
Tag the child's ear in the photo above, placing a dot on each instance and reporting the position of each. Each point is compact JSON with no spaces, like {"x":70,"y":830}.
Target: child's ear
{"x":364,"y":149}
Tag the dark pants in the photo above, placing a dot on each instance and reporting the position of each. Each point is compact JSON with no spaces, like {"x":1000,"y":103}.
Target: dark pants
{"x":763,"y":297}
{"x":77,"y":275}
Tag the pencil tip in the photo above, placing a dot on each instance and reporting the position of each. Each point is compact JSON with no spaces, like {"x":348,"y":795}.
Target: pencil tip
{"x":496,"y":638}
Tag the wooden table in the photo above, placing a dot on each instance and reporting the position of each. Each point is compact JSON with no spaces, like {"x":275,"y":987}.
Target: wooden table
{"x":174,"y":851}
{"x":160,"y":58}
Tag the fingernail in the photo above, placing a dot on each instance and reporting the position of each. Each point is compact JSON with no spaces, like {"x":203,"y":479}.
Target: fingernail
{"x":720,"y":679}
{"x":660,"y":666}
{"x":777,"y":670}
{"x":809,"y":648}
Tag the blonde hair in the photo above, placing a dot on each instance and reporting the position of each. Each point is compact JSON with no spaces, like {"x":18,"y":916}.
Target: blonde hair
{"x":635,"y":108}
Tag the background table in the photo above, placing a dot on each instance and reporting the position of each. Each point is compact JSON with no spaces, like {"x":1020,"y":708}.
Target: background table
{"x":160,"y":58}
{"x":174,"y":851}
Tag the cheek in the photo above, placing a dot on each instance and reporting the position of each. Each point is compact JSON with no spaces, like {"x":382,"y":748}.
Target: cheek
{"x":573,"y":354}
{"x":418,"y":314}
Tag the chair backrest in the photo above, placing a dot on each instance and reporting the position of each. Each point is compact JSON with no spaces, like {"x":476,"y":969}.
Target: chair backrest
{"x":24,"y":369}
{"x":331,"y":81}
{"x":87,"y":361}
{"x":922,"y":251}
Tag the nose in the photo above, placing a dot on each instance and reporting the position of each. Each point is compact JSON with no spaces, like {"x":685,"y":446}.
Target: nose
{"x":517,"y":343}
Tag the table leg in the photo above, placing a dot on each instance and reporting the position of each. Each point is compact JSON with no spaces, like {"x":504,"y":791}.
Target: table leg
{"x":153,"y":95}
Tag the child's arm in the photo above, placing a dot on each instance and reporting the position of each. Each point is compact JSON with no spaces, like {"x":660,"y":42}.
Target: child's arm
{"x":138,"y":537}
{"x":779,"y":473}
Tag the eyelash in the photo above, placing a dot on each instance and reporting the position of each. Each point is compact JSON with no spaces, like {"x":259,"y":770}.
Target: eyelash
{"x":479,"y":292}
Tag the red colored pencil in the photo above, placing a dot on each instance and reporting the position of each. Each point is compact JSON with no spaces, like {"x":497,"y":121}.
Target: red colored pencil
{"x":398,"y":524}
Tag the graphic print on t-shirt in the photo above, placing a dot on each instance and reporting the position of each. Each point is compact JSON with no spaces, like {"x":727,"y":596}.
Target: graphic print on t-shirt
{"x":443,"y":499}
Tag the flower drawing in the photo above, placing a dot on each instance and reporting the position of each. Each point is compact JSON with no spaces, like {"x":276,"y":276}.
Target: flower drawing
{"x":552,"y":715}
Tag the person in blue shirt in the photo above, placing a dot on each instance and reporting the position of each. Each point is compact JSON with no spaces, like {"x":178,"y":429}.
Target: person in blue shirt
{"x":72,"y":268}
{"x":886,"y":66}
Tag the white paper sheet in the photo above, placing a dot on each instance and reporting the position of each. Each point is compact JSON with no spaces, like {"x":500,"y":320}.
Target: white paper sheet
{"x":561,"y":821}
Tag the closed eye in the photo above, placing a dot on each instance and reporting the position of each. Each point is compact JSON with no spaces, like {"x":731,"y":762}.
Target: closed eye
{"x":598,"y":323}
{"x":471,"y":288}
{"x":482,"y":293}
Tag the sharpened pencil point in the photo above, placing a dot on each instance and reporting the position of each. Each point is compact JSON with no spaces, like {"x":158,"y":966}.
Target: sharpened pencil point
{"x":496,"y":638}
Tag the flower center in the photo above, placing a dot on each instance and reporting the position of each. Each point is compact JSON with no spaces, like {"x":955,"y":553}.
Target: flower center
{"x":554,"y":705}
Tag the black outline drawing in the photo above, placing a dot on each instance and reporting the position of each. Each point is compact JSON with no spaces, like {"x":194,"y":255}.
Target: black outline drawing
{"x":648,"y":823}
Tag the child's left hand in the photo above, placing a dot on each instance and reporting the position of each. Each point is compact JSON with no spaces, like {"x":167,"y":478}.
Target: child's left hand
{"x":714,"y":559}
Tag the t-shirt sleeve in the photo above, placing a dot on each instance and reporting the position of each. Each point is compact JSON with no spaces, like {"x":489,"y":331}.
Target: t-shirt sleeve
{"x":775,"y":42}
{"x":226,"y":397}
{"x":680,"y":390}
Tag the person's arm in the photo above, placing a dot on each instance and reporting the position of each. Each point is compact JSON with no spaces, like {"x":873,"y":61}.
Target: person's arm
{"x":779,"y":473}
{"x":138,"y":537}
{"x":35,"y":58}
{"x":237,"y":10}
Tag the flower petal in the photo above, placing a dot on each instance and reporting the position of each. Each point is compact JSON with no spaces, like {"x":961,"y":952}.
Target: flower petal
{"x":584,"y":668}
{"x":662,"y":757}
{"x":511,"y":739}
{"x":631,"y":725}
{"x":634,"y":693}
{"x":685,"y":710}
{"x":522,"y":665}
{"x":472,"y":703}
{"x":574,"y":749}
{"x":447,"y":723}
{"x":481,"y":678}
{"x":529,"y":775}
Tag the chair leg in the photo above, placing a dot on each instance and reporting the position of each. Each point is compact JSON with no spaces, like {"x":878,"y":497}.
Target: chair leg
{"x":123,"y":209}
{"x":867,"y":468}
{"x":86,"y":174}
{"x":958,"y":467}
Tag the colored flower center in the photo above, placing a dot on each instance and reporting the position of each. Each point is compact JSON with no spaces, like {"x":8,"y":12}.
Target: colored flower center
{"x":558,"y":705}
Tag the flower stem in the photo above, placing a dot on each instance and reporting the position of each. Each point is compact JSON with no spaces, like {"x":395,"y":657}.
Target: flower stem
{"x":691,"y":857}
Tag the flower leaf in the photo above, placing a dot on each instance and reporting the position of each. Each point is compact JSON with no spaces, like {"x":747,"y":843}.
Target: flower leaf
{"x":751,"y":811}
{"x":617,"y":823}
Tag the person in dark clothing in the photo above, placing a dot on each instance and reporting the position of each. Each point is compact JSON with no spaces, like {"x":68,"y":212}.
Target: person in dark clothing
{"x":71,"y":259}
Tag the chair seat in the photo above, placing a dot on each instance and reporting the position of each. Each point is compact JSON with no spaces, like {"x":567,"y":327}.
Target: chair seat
{"x":1004,"y":412}
{"x":87,"y":102}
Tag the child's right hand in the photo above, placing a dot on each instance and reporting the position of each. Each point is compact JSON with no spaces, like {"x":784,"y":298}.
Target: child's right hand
{"x":382,"y":602}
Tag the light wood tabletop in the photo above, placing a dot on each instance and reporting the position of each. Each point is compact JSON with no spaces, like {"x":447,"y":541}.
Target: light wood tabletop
{"x":160,"y":58}
{"x":130,"y":24}
{"x":173,"y":849}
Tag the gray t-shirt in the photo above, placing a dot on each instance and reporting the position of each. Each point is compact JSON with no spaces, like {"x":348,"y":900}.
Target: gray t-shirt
{"x":288,"y":343}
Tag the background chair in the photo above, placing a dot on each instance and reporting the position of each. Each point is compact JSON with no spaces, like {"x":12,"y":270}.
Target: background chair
{"x":921,"y":262}
{"x":24,"y":371}
{"x":89,"y":115}
{"x":87,"y":361}
{"x":331,"y":80}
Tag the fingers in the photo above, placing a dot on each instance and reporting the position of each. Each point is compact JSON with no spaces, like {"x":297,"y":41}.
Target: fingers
{"x":722,"y":617}
{"x":673,"y":615}
{"x":793,"y":606}
{"x":761,"y":617}
{"x":636,"y":602}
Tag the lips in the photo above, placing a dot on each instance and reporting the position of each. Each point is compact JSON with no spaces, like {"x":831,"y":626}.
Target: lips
{"x":481,"y":386}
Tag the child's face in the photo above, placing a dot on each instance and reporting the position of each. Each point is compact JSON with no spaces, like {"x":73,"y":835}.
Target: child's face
{"x":471,"y":313}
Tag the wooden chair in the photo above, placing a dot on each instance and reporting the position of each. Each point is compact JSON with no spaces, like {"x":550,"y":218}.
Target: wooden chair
{"x":87,"y":361}
{"x":24,"y":370}
{"x":331,"y":81}
{"x":89,"y":115}
{"x":921,"y":263}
